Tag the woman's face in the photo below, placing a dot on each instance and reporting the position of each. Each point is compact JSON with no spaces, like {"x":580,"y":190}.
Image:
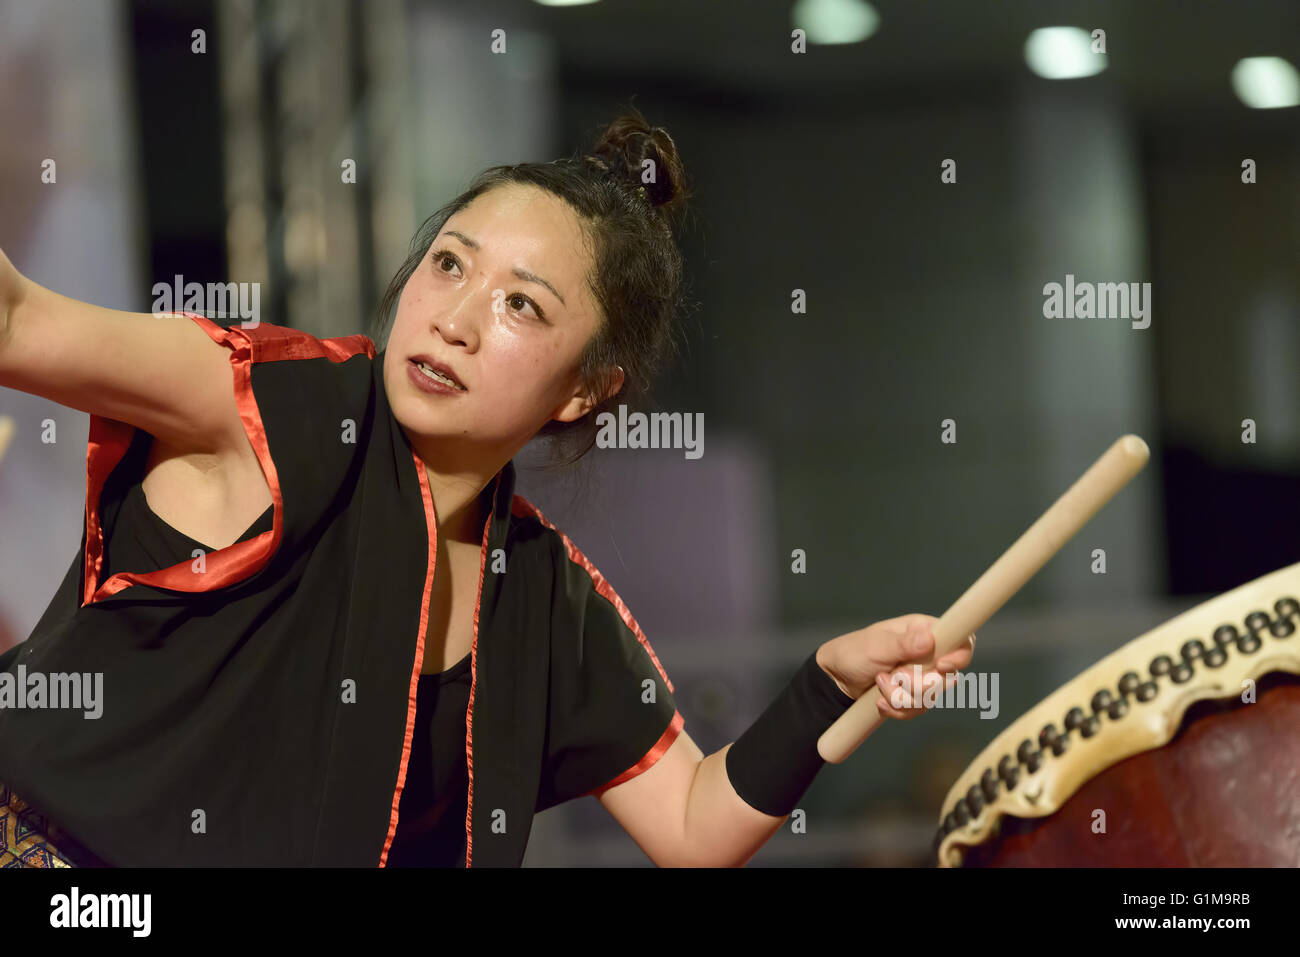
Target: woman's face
{"x":501,"y":299}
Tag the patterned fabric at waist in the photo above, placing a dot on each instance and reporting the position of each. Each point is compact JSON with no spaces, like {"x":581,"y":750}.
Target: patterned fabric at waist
{"x":30,"y":839}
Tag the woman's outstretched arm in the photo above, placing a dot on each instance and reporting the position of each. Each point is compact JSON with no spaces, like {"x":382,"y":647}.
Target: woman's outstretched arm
{"x":162,"y":374}
{"x":684,"y":810}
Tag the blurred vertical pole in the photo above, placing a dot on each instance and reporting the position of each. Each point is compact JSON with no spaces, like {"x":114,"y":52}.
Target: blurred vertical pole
{"x":1272,"y":333}
{"x":313,"y":112}
{"x":393,"y":214}
{"x":1081,"y":213}
{"x":292,"y":94}
{"x":238,"y":50}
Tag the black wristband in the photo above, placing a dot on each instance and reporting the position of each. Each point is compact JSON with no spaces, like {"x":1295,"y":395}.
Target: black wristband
{"x":772,"y":764}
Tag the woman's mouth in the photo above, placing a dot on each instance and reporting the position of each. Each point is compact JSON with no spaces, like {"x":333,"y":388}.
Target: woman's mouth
{"x":428,"y":380}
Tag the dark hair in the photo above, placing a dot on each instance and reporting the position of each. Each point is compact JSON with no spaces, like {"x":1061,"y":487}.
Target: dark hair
{"x":628,"y":191}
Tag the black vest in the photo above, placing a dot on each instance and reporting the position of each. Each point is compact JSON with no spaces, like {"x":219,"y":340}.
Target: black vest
{"x":259,"y":701}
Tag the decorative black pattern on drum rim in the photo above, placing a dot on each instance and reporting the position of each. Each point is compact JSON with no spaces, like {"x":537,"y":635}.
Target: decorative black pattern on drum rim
{"x":1087,"y":722}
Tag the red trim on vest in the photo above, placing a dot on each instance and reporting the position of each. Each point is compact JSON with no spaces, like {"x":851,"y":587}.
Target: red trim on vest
{"x":430,"y":567}
{"x":109,"y":439}
{"x":473,"y":680}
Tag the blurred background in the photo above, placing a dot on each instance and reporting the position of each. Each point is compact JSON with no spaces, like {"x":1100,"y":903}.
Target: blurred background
{"x":218,"y":155}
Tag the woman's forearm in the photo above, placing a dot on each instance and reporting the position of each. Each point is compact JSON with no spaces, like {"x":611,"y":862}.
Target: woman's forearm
{"x":771,"y":764}
{"x":777,"y":760}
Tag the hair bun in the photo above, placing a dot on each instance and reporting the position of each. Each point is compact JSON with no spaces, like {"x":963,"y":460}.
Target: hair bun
{"x":624,"y":148}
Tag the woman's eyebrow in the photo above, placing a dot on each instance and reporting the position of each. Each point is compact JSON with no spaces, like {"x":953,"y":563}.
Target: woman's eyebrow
{"x":523,"y":274}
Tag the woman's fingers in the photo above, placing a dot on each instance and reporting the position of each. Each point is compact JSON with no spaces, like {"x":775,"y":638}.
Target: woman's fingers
{"x":912,"y":640}
{"x":914,"y":643}
{"x":901,"y":713}
{"x":953,"y":662}
{"x":894,"y":650}
{"x":897,"y":699}
{"x":883,"y":707}
{"x":957,"y":659}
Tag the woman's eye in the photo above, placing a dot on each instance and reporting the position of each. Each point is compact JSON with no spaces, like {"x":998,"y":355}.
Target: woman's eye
{"x":440,"y":257}
{"x":524,"y":301}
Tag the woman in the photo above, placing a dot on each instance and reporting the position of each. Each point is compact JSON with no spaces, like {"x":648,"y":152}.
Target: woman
{"x":285,"y":678}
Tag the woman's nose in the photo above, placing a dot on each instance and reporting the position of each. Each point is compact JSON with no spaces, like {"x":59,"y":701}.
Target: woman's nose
{"x":461,"y":323}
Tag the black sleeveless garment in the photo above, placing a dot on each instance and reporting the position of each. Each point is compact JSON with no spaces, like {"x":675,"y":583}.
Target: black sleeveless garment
{"x":431,"y":815}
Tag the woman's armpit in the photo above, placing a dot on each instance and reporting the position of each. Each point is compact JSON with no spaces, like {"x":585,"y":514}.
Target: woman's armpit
{"x":212,"y":498}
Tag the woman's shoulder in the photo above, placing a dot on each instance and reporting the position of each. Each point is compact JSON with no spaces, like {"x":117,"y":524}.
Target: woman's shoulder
{"x":582,"y":579}
{"x":530,"y":530}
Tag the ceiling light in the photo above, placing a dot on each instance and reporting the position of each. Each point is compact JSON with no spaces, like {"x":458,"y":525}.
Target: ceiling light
{"x":1062,"y":53}
{"x":1266,"y":82}
{"x":835,"y":21}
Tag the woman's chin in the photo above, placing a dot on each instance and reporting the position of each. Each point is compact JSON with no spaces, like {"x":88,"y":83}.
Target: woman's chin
{"x":422,"y":425}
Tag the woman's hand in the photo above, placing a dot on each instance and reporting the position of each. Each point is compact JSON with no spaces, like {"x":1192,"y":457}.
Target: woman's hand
{"x":884,"y":654}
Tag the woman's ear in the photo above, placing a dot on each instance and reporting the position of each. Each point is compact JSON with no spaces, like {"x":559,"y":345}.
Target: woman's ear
{"x":615,"y":383}
{"x":582,"y":402}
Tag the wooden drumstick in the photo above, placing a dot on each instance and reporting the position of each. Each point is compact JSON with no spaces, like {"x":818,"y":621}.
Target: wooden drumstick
{"x":1004,"y":578}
